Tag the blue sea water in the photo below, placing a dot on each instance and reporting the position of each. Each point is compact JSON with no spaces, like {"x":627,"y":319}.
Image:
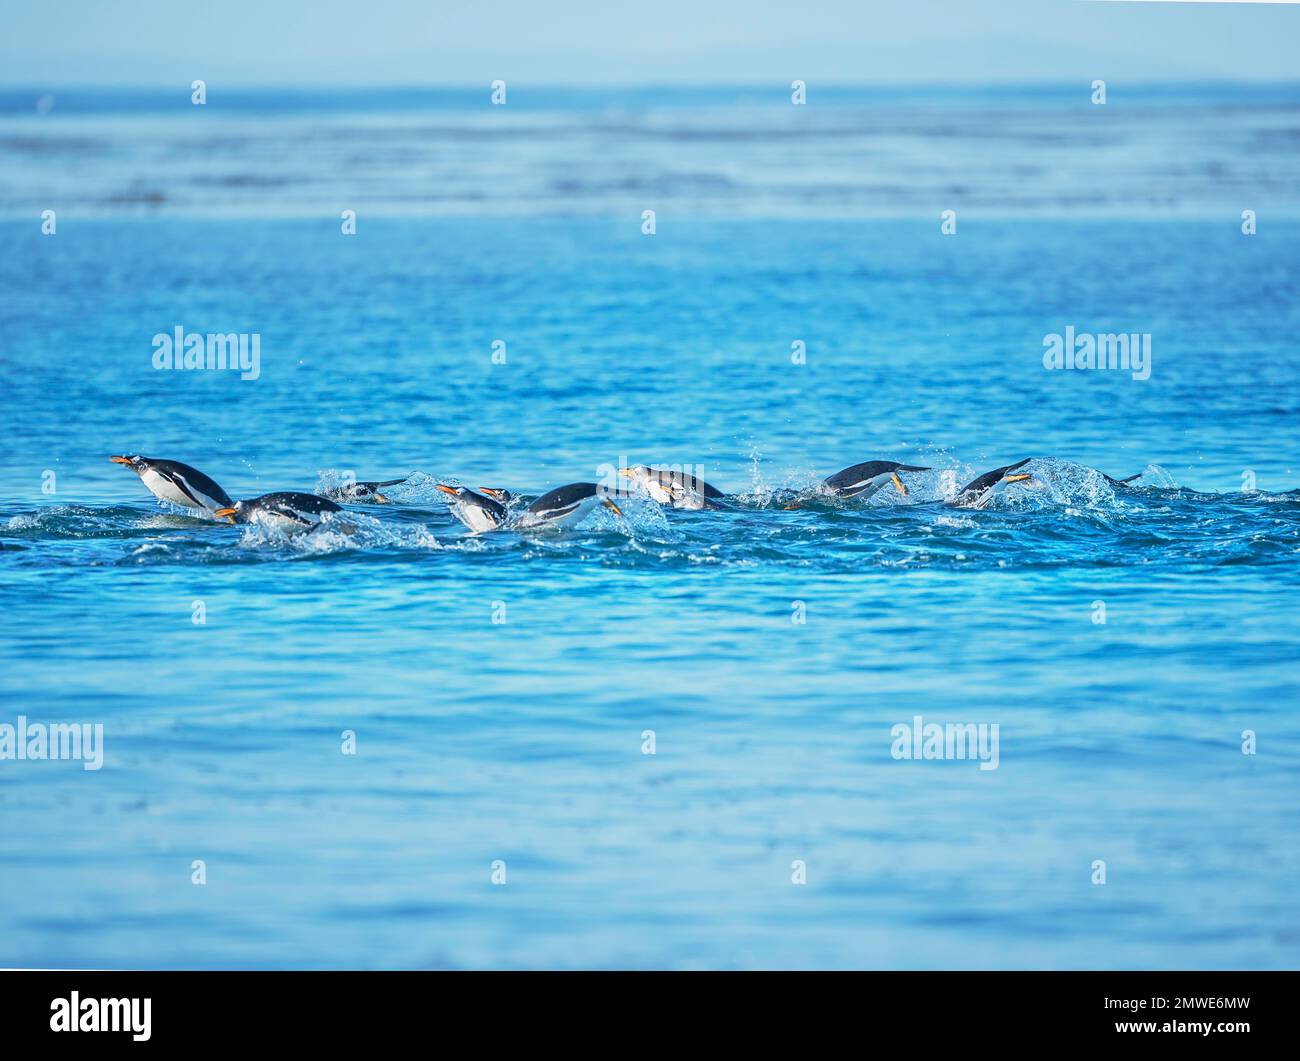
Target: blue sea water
{"x":523,"y":741}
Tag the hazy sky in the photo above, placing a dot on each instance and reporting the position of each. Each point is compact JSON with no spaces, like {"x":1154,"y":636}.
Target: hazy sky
{"x":53,"y":42}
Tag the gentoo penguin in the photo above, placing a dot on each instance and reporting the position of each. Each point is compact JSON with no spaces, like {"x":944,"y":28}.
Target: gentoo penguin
{"x":504,"y":496}
{"x":978,"y":492}
{"x":177,"y":483}
{"x":365,"y":493}
{"x":565,"y":506}
{"x":674,"y":488}
{"x":283,"y":511}
{"x":477,"y":512}
{"x":863,"y":480}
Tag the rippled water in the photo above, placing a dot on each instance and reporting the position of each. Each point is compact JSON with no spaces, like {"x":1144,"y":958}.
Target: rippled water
{"x":522,"y":740}
{"x":1189,"y":150}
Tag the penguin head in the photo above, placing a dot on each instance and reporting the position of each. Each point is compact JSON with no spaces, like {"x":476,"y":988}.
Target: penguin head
{"x":1012,"y":474}
{"x":497,"y":494}
{"x":134,"y":461}
{"x":455,"y":491}
{"x":237,"y":513}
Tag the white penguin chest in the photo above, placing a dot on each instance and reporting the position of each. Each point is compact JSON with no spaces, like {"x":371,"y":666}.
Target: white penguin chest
{"x":165,"y":489}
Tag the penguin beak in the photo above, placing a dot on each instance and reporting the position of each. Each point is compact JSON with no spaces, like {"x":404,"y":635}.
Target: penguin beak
{"x":791,"y":508}
{"x":610,"y":504}
{"x":226,"y":514}
{"x":120,"y":460}
{"x":492,"y":491}
{"x":898,"y":484}
{"x":447,"y":489}
{"x":1018,"y":478}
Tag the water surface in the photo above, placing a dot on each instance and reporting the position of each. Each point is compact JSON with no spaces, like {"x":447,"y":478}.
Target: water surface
{"x":522,"y":741}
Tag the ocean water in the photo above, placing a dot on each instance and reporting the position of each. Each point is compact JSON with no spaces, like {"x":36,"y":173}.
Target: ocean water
{"x":1188,"y":151}
{"x":500,"y":687}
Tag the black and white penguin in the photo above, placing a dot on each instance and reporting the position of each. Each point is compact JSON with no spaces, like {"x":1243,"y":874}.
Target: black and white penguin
{"x":477,"y":511}
{"x":863,"y":480}
{"x":283,"y":511}
{"x":177,"y":483}
{"x":565,"y":506}
{"x":674,"y":488}
{"x":366,"y":493}
{"x":979,"y":492}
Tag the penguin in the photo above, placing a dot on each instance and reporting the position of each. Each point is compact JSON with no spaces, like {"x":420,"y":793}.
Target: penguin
{"x":863,"y":480}
{"x":674,"y":487}
{"x":477,"y":511}
{"x":365,"y":493}
{"x":177,"y":483}
{"x":565,"y":506}
{"x":979,"y":492}
{"x":284,"y":511}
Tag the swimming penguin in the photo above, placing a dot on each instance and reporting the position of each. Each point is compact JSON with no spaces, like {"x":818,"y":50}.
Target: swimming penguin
{"x":283,"y":511}
{"x":565,"y":506}
{"x":364,"y":493}
{"x":863,"y":480}
{"x":477,"y":511}
{"x":177,"y":483}
{"x":504,"y":496}
{"x":979,"y":492}
{"x":674,"y":488}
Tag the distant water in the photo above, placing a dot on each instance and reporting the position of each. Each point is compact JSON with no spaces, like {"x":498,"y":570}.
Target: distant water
{"x":522,"y":741}
{"x":721,"y":152}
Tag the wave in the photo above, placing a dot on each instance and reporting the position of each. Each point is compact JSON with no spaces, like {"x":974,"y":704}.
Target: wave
{"x":337,"y":532}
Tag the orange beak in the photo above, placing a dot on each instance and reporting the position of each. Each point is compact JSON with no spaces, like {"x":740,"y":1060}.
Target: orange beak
{"x":447,"y":489}
{"x":611,"y":505}
{"x":120,"y":460}
{"x":225,"y":513}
